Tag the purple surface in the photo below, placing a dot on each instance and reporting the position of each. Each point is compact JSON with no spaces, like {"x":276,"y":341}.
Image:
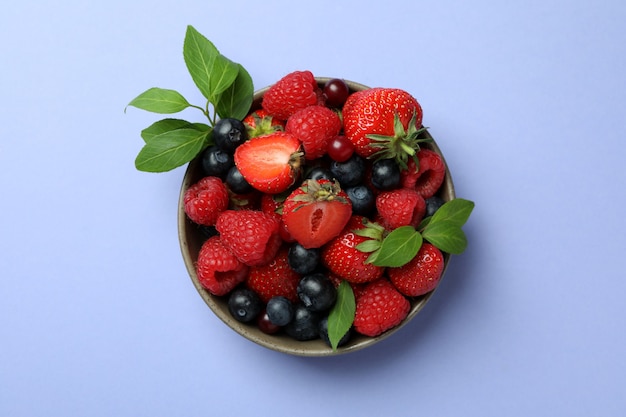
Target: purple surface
{"x":98,"y":316}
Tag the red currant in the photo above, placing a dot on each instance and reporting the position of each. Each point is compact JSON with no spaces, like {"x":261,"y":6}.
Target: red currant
{"x":336,"y":92}
{"x":340,"y":149}
{"x":265,"y":325}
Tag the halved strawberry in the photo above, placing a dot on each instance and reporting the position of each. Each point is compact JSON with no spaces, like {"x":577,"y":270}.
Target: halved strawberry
{"x":316,"y":212}
{"x":270,"y":163}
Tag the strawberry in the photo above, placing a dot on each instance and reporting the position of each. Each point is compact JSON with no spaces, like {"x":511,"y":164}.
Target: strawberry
{"x":432,"y":171}
{"x":341,"y":257}
{"x":315,"y":126}
{"x":204,"y":200}
{"x":400,"y":207}
{"x":316,"y":212}
{"x":291,"y":93}
{"x":275,"y":278}
{"x":260,"y":122}
{"x":421,"y":275}
{"x":379,"y":307}
{"x":218,"y":270}
{"x":384,"y":122}
{"x":270,"y":163}
{"x":252,"y":236}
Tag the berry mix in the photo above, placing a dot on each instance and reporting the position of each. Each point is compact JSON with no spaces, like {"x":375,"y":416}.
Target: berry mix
{"x":285,"y":192}
{"x":320,"y":208}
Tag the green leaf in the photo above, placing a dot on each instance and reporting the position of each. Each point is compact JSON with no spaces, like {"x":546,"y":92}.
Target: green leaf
{"x":341,"y":315}
{"x":170,"y":150}
{"x":447,"y":236}
{"x":167,"y":125}
{"x":455,"y":211}
{"x":212,"y":72}
{"x":398,"y":247}
{"x":160,"y":100}
{"x":368,"y":246}
{"x":236,"y":100}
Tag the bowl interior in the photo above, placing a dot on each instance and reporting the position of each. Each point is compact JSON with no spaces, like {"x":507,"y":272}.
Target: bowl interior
{"x":191,"y":239}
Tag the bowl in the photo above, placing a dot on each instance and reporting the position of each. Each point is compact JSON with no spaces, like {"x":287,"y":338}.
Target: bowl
{"x":191,"y":239}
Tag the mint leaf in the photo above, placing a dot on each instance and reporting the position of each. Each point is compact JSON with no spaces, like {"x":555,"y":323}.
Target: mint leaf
{"x":397,"y":248}
{"x":170,"y":150}
{"x":455,"y":211}
{"x":212,"y":72}
{"x":236,"y":100}
{"x":167,"y":125}
{"x":160,"y":100}
{"x":341,"y":315}
{"x":447,"y":236}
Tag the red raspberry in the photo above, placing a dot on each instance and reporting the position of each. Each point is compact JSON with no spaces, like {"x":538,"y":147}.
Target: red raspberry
{"x":379,"y":307}
{"x":431,"y":173}
{"x":291,"y":93}
{"x":274,"y":279}
{"x":218,"y":270}
{"x":421,"y":275}
{"x":315,"y":126}
{"x":205,"y":200}
{"x":408,"y":176}
{"x":400,"y":207}
{"x":252,"y":236}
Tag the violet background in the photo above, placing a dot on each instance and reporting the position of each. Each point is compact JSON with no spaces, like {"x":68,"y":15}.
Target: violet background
{"x":98,"y":316}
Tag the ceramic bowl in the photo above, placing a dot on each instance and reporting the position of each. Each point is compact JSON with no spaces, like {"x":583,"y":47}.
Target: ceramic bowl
{"x":191,"y":240}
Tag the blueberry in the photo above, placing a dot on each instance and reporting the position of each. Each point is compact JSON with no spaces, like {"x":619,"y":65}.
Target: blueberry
{"x":362,"y":199}
{"x":303,"y":260}
{"x":304,"y":325}
{"x":229,"y":133}
{"x":350,"y":172}
{"x":236,"y":182}
{"x":320,"y":173}
{"x":279,"y":310}
{"x":323,"y":329}
{"x":216,"y":162}
{"x":317,"y":292}
{"x":244,"y":305}
{"x":432,"y":205}
{"x":385,"y":174}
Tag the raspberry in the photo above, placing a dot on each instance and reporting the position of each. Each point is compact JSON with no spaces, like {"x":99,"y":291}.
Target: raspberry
{"x":431,"y":173}
{"x":218,"y":270}
{"x":379,"y":307}
{"x":408,"y":176}
{"x":315,"y":127}
{"x":274,"y":279}
{"x":252,"y":236}
{"x":421,"y":275}
{"x":205,"y":200}
{"x":401,"y":207}
{"x":291,"y":93}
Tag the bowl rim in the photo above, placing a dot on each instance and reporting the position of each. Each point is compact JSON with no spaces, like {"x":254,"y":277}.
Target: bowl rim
{"x":280,"y":342}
